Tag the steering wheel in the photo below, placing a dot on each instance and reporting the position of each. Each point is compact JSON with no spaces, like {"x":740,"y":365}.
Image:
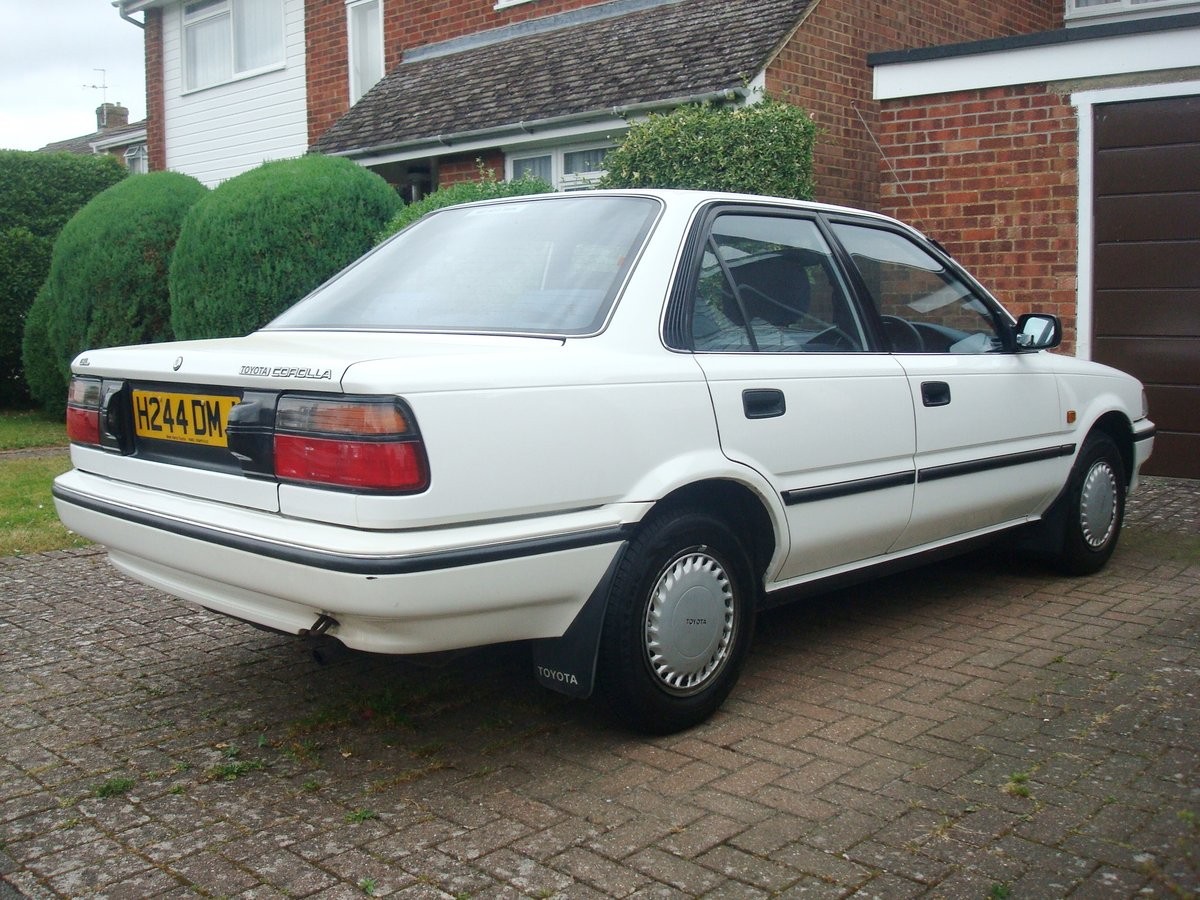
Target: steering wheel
{"x":834,"y":338}
{"x":893,"y":326}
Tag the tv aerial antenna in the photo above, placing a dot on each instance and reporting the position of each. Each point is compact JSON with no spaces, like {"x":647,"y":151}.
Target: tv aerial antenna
{"x":103,"y":88}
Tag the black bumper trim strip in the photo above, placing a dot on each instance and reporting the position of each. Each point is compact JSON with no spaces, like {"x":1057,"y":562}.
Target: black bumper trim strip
{"x":971,"y":467}
{"x":847,"y":488}
{"x":376,"y":566}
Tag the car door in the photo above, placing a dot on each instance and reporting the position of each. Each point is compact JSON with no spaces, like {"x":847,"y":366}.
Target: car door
{"x":798,"y":396}
{"x":991,"y":436}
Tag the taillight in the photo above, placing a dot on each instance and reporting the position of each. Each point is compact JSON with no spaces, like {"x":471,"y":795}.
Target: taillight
{"x":83,"y":411}
{"x":368,"y":444}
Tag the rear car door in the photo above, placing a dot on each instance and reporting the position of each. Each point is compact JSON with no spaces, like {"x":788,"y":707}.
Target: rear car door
{"x":798,"y":396}
{"x":991,"y":445}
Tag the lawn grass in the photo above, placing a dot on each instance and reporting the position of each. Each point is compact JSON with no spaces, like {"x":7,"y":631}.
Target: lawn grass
{"x":28,"y":523}
{"x":26,"y":429}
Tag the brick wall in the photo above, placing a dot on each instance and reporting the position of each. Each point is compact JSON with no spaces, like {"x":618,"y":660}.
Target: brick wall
{"x":993,"y":175}
{"x":156,"y":128}
{"x":327,"y":63}
{"x":453,"y":169}
{"x":823,"y":68}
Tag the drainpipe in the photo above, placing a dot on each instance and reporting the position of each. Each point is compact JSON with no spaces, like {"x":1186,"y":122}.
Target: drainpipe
{"x":120,"y":5}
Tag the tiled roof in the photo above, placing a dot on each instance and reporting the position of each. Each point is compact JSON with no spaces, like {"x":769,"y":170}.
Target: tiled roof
{"x":668,"y":51}
{"x":83,"y":144}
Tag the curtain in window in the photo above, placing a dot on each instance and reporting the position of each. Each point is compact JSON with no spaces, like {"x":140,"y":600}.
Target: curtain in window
{"x":258,"y":33}
{"x":207,"y":51}
{"x":366,"y":47}
{"x":535,"y":166}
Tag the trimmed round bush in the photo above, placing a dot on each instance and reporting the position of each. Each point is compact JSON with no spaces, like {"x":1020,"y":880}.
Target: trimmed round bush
{"x":43,"y":374}
{"x":762,"y":148}
{"x":108,"y":274}
{"x":262,"y":240}
{"x":487,"y":188}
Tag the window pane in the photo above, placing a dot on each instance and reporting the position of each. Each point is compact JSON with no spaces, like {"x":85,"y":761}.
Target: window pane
{"x":580,"y":161}
{"x":258,"y":33}
{"x":207,"y":51}
{"x":366,"y":48}
{"x":551,"y":265}
{"x":925,"y":307}
{"x":535,"y":167}
{"x":769,"y":283}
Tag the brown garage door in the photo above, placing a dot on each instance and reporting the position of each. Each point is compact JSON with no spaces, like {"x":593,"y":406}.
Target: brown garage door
{"x":1147,"y":264}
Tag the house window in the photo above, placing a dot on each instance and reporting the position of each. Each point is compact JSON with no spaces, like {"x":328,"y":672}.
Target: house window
{"x":137,"y":160}
{"x":364,"y":27}
{"x":566,"y":169}
{"x":1090,"y":9}
{"x":224,"y":39}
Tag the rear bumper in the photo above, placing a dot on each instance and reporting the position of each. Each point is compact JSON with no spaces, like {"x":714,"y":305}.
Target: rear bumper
{"x":392,"y":592}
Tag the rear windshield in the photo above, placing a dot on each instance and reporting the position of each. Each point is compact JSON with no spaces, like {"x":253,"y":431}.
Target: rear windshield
{"x":549,"y":265}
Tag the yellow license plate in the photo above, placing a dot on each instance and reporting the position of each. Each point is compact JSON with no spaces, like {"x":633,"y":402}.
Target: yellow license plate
{"x":187,"y":418}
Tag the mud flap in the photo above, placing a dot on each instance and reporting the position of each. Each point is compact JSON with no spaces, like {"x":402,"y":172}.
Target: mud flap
{"x":567,"y":664}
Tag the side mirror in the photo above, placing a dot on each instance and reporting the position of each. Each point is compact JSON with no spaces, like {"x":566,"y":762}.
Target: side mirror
{"x":1038,"y":331}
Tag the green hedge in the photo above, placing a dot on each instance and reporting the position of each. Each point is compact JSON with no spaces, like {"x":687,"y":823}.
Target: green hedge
{"x":762,"y":148}
{"x":108,"y":275}
{"x":262,"y":240}
{"x":45,"y":377}
{"x":39,"y":192}
{"x":487,"y":188}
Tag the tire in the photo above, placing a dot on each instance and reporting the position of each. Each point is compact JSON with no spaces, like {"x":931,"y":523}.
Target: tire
{"x":1095,"y":507}
{"x":679,"y":623}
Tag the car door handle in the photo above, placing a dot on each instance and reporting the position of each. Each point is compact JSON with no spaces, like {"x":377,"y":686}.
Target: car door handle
{"x":935,"y":393}
{"x":763,"y":403}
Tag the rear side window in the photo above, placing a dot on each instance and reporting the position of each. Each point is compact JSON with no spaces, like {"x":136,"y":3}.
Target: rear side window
{"x":767,"y":283}
{"x":549,"y":266}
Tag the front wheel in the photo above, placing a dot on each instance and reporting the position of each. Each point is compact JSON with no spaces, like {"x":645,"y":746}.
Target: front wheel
{"x":679,"y":622}
{"x":1095,"y":507}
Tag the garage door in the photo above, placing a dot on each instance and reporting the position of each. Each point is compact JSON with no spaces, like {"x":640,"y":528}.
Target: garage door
{"x":1147,"y":264}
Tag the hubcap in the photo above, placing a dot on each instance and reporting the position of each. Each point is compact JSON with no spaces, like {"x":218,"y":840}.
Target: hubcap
{"x":689,"y":622}
{"x":1098,"y":505}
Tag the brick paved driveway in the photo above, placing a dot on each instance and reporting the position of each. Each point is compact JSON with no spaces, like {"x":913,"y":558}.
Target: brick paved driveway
{"x":974,"y":729}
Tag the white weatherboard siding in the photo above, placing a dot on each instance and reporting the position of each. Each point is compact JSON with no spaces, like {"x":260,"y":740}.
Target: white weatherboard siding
{"x":218,"y":132}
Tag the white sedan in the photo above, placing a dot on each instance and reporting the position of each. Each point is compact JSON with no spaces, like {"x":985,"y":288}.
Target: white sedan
{"x":615,"y":424}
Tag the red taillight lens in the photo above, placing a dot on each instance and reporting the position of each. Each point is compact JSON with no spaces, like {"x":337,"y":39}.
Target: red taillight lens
{"x":367,"y":444}
{"x":83,"y":411}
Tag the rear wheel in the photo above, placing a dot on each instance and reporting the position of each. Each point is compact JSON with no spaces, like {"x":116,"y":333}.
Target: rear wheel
{"x":679,"y":622}
{"x":1095,"y":507}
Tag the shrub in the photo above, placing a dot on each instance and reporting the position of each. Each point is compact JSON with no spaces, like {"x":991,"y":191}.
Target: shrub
{"x":763,"y":148}
{"x":108,"y":274}
{"x":38,"y":193}
{"x":47,"y":383}
{"x":487,"y":188}
{"x":262,"y":240}
{"x":24,"y":259}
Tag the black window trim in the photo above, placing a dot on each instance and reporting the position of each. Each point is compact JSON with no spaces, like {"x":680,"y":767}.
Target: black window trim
{"x":677,"y":323}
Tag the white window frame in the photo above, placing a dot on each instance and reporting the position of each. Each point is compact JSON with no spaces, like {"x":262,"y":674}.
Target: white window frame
{"x":218,"y":9}
{"x":137,"y":159}
{"x":357,"y":90}
{"x":559,"y":179}
{"x":1080,"y":11}
{"x":501,"y":4}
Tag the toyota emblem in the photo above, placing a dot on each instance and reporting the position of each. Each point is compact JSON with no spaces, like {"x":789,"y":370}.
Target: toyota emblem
{"x":178,"y":363}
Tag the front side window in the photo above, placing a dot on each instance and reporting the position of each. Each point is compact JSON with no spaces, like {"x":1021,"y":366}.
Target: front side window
{"x":364,"y":24}
{"x":924,"y":306}
{"x":769,"y":284}
{"x":551,"y":265}
{"x":223,"y":39}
